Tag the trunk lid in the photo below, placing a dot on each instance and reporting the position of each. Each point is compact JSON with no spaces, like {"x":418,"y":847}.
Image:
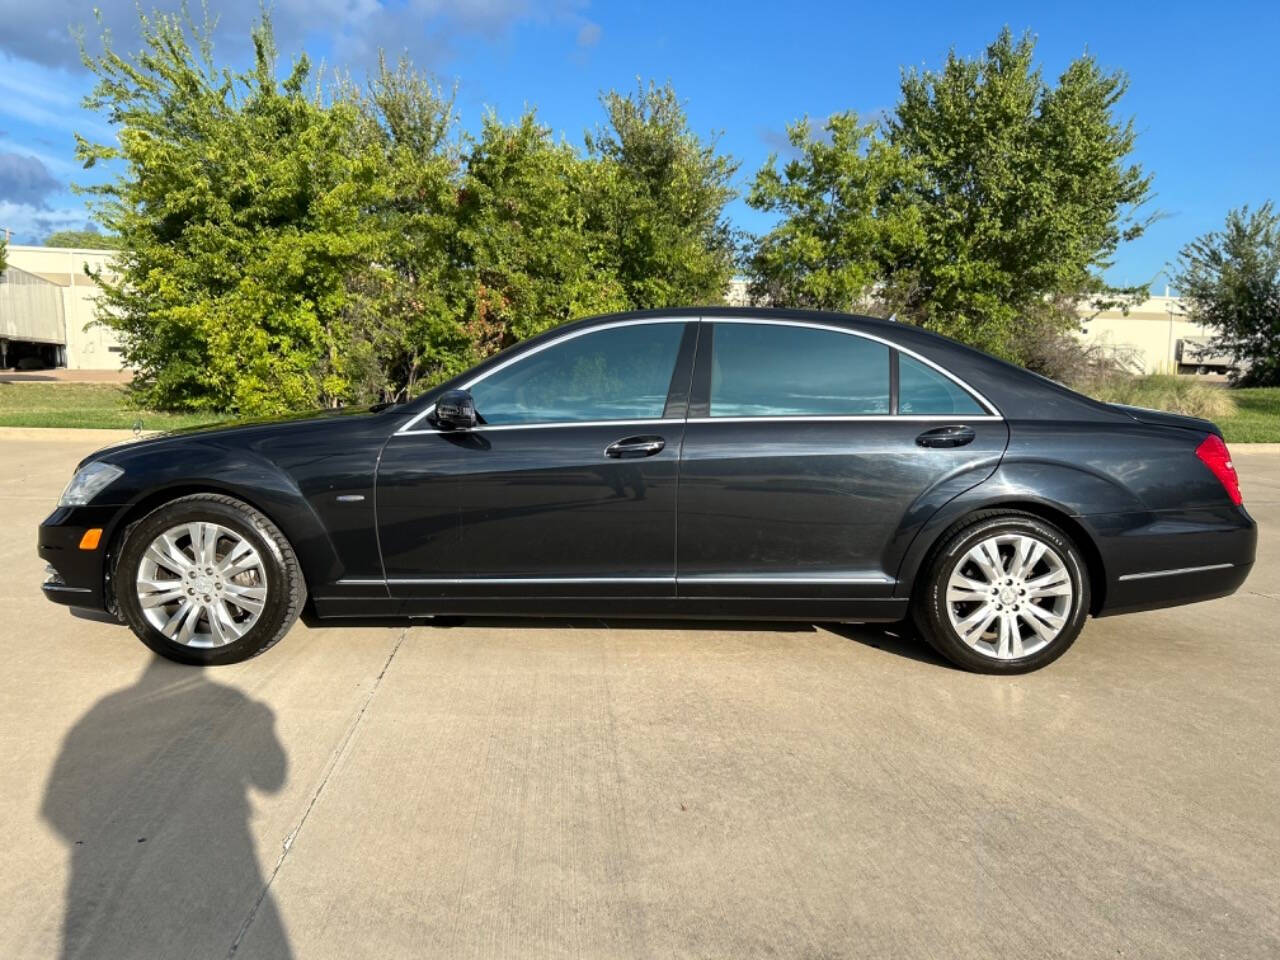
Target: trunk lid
{"x":1164,"y":418}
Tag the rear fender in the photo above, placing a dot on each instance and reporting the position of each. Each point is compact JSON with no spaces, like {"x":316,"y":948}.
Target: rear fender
{"x":1055,"y":488}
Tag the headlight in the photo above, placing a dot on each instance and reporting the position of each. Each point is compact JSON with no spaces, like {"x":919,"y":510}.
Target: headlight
{"x":89,"y":481}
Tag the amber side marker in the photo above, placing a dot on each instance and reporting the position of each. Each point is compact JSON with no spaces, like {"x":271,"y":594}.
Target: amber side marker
{"x":90,"y":539}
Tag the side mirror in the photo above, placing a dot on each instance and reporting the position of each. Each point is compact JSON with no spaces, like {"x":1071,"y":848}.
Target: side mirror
{"x":456,"y":410}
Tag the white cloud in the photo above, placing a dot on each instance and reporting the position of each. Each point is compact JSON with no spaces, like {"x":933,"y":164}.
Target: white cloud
{"x":31,"y":223}
{"x":43,"y":32}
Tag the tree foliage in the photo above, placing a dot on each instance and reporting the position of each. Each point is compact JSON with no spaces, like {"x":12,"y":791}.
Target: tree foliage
{"x":287,"y":243}
{"x":986,"y":204}
{"x":1230,"y":280}
{"x":4,"y":245}
{"x":240,"y":212}
{"x":83,"y":239}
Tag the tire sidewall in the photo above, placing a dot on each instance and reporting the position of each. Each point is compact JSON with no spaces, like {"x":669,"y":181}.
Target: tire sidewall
{"x":943,"y":635}
{"x":174,"y":514}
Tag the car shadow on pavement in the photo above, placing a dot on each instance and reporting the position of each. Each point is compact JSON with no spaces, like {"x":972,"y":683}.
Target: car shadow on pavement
{"x":150,"y":793}
{"x":900,"y":639}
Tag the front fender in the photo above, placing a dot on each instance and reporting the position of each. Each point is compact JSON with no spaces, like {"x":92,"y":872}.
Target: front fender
{"x":156,"y":473}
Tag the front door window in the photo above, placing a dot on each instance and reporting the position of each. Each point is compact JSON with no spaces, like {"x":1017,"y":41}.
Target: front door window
{"x":618,"y":373}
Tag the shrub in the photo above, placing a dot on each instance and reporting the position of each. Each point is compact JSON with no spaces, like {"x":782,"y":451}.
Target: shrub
{"x":1166,"y":392}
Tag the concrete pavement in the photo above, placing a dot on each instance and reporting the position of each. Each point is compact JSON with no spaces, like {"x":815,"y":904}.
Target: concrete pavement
{"x":503,"y":789}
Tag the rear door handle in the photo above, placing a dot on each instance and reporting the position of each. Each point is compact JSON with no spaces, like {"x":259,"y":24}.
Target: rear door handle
{"x":635,"y":447}
{"x":952,"y":436}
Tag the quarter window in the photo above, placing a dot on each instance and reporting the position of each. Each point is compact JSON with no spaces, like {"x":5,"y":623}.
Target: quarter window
{"x":776,"y":370}
{"x":923,"y":390}
{"x":618,"y":373}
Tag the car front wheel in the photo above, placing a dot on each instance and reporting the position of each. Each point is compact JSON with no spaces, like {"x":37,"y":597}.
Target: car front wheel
{"x":1003,"y":593}
{"x":206,"y":579}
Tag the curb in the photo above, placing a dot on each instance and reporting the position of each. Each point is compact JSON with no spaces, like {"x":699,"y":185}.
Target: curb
{"x":72,"y":435}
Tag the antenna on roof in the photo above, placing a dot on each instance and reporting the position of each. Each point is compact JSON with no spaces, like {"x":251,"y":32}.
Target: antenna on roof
{"x":893,"y":317}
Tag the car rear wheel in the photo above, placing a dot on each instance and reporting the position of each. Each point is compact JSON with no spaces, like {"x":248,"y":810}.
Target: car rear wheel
{"x":206,"y":579}
{"x":1003,"y":593}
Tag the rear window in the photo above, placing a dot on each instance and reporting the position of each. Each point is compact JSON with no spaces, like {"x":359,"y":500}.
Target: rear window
{"x":924,"y":391}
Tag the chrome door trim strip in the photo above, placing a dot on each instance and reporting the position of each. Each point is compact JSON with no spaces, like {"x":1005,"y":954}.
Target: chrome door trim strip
{"x":1173,"y":573}
{"x":694,"y":578}
{"x":993,"y":413}
{"x":473,"y":581}
{"x":778,"y":578}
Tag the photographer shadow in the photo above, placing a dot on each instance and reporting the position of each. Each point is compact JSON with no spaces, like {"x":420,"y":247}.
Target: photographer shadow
{"x":150,"y":792}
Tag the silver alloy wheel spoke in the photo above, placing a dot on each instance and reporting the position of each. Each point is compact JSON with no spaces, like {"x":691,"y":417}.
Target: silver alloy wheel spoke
{"x":201,"y":584}
{"x":1009,"y":596}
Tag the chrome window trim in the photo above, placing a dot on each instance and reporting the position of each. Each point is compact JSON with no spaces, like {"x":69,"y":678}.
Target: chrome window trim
{"x":993,"y":412}
{"x":873,"y":417}
{"x":1149,"y":574}
{"x":407,"y":429}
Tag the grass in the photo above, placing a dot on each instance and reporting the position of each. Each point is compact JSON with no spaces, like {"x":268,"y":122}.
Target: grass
{"x":1164,"y":392}
{"x":1257,"y":416}
{"x":1250,"y":415}
{"x":96,"y":405}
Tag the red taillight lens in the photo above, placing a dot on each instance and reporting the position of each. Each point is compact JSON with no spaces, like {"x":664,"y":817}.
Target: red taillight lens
{"x":1213,"y":453}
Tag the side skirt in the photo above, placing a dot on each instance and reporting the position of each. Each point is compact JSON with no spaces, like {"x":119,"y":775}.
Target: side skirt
{"x":617,"y":608}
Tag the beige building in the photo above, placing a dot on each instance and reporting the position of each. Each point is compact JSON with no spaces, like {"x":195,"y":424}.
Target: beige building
{"x":1155,"y":336}
{"x":47,"y":310}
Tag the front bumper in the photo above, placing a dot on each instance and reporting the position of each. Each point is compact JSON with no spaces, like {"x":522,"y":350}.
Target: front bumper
{"x":78,"y":577}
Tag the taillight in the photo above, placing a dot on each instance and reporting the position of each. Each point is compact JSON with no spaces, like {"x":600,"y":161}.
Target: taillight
{"x":1213,"y":453}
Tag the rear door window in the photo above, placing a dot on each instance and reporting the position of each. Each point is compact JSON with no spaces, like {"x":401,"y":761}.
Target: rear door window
{"x":779,"y":370}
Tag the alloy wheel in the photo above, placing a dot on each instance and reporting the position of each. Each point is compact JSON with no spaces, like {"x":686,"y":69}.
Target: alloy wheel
{"x":201,"y":584}
{"x":1009,"y":596}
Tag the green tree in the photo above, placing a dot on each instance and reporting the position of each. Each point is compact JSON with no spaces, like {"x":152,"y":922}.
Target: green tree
{"x":403,"y":325}
{"x":282,"y":247}
{"x":532,"y":259}
{"x":84,"y":239}
{"x":840,"y":222}
{"x":1230,"y":280}
{"x":659,"y":200}
{"x":1007,"y":199}
{"x":240,"y":212}
{"x":4,"y":245}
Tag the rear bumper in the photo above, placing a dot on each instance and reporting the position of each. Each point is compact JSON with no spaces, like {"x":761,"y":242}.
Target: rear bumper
{"x":78,"y":576}
{"x":1173,"y":558}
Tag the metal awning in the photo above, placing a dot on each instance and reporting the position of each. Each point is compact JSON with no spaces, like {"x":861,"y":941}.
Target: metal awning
{"x":31,"y":308}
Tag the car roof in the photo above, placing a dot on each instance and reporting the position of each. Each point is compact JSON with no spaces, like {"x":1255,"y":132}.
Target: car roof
{"x":1008,"y":386}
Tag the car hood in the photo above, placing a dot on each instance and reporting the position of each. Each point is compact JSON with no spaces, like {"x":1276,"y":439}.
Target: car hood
{"x":1164,"y":418}
{"x":248,"y":427}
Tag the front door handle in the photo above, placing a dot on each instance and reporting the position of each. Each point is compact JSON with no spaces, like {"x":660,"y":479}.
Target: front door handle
{"x":635,"y":447}
{"x":954,"y":436}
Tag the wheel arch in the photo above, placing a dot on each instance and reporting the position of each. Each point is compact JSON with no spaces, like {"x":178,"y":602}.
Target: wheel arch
{"x":1053,"y":513}
{"x":157,"y":497}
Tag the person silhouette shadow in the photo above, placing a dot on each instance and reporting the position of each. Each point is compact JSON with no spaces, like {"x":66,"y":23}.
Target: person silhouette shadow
{"x":150,"y":792}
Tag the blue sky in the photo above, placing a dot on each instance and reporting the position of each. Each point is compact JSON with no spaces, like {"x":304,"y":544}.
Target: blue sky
{"x":1205,"y":79}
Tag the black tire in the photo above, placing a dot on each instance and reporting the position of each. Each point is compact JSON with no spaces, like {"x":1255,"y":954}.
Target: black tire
{"x":929,"y":606}
{"x":286,"y":589}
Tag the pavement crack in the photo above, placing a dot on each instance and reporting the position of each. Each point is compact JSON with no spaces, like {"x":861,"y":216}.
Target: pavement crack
{"x":334,"y":759}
